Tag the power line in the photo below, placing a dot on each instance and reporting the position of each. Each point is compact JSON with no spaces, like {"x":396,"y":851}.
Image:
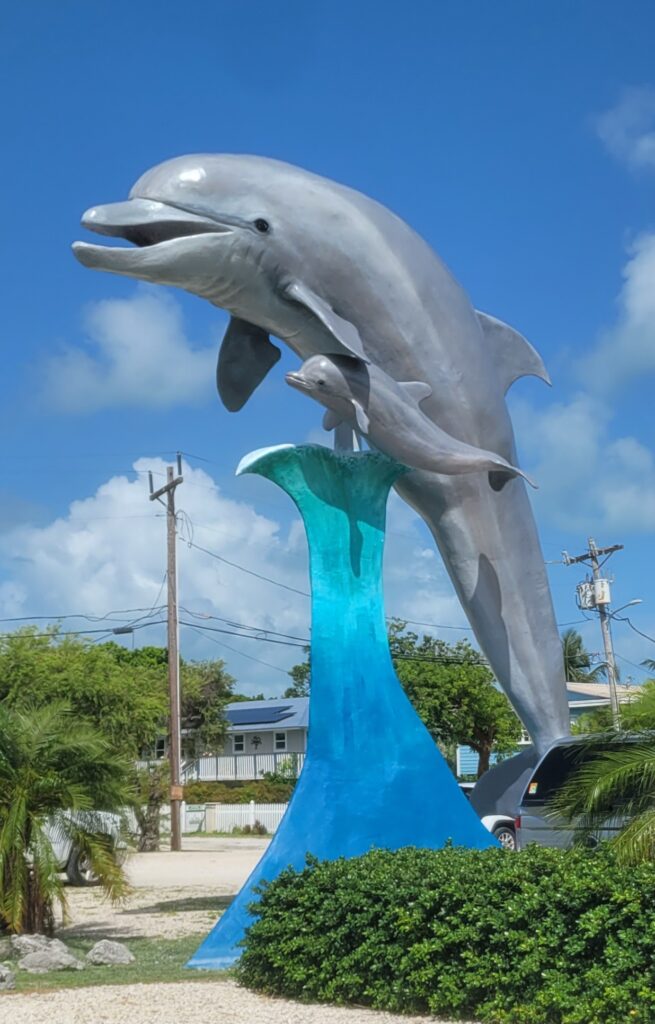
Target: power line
{"x":54,"y":634}
{"x":241,"y":625}
{"x":242,"y":568}
{"x":242,"y":654}
{"x":624,"y":618}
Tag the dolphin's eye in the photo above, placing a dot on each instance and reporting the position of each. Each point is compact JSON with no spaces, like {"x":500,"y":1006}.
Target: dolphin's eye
{"x":320,"y":382}
{"x":262,"y":225}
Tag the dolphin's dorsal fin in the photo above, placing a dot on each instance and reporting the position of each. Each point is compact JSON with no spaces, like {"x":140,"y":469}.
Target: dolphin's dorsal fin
{"x":331,"y":419}
{"x":416,"y":389}
{"x":246,"y":356}
{"x":342,"y":330}
{"x":514,"y":355}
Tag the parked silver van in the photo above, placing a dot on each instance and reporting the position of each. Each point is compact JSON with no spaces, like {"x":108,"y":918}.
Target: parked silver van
{"x":535,"y":822}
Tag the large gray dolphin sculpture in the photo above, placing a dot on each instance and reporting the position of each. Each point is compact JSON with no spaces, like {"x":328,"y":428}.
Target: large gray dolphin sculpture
{"x":328,"y":270}
{"x":387,"y":413}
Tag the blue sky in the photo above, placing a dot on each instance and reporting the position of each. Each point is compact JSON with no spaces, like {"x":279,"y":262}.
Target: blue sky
{"x":519,"y":142}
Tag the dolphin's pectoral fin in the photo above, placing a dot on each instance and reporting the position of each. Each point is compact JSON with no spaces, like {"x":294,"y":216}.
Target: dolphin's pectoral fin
{"x":513,"y":354}
{"x":416,"y":390}
{"x":342,"y":330}
{"x":331,"y":420}
{"x":363,"y":422}
{"x":246,"y":356}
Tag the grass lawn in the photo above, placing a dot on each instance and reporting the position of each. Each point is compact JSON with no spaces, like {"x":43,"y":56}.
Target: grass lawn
{"x":156,"y":960}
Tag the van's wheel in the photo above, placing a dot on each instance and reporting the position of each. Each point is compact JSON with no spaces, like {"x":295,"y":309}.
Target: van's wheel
{"x":79,"y":870}
{"x":506,"y":836}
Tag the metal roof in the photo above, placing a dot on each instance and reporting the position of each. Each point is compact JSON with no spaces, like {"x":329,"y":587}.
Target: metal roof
{"x":260,"y":715}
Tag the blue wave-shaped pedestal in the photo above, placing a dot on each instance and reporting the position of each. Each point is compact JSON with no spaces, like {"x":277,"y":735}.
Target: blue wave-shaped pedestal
{"x":373,"y":776}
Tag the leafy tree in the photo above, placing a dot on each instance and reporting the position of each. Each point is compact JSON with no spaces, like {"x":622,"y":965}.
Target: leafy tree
{"x":123,"y":692}
{"x":125,"y":699}
{"x":453,"y":691}
{"x":301,"y":679}
{"x":619,"y":780}
{"x":52,"y":762}
{"x":206,"y":687}
{"x":577,"y":659}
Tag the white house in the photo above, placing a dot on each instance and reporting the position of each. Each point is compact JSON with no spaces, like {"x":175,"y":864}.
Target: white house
{"x":263,"y":736}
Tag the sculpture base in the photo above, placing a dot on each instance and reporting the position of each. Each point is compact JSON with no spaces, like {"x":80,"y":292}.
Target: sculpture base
{"x":373,"y":776}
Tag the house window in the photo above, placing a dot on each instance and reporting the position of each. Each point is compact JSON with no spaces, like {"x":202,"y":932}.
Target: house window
{"x":280,"y":741}
{"x":160,"y":748}
{"x":239,"y":743}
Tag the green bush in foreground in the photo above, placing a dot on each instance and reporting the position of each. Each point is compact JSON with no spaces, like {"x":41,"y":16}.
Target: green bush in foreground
{"x":540,"y":937}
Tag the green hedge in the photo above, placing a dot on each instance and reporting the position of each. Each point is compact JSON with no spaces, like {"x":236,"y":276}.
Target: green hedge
{"x":262,"y":792}
{"x":540,"y":937}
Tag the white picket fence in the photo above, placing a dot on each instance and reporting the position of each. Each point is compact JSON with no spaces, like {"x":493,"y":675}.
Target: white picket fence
{"x":225,"y":817}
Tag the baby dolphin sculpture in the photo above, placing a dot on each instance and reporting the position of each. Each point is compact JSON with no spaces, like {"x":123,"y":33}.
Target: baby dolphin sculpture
{"x":387,"y":413}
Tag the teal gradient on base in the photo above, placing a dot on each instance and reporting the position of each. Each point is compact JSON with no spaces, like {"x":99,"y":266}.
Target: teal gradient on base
{"x":373,"y":776}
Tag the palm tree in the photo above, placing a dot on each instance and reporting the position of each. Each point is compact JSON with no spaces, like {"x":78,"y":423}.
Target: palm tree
{"x":52,"y":762}
{"x":615,"y":787}
{"x":617,"y":783}
{"x":577,"y":660}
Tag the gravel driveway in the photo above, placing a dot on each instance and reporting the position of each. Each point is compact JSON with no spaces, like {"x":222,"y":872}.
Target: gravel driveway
{"x":175,"y":894}
{"x":220,"y":1002}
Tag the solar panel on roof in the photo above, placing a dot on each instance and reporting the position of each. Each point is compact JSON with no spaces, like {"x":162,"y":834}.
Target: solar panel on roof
{"x":259,"y":716}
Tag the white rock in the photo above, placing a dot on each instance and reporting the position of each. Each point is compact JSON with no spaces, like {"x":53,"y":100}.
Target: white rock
{"x":108,"y":952}
{"x":23,"y":944}
{"x":7,"y":978}
{"x":50,"y":958}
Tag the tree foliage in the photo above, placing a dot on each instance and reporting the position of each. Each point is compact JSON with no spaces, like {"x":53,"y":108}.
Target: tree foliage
{"x":123,"y":692}
{"x":206,"y":687}
{"x":615,"y":788}
{"x":52,"y":762}
{"x":453,"y":691}
{"x":300,"y":675}
{"x":542,"y":937}
{"x":617,"y":784}
{"x":104,"y":684}
{"x":577,"y":659}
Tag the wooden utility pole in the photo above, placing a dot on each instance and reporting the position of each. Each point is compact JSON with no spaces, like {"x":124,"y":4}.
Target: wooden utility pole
{"x":174,"y":743}
{"x":599,"y":599}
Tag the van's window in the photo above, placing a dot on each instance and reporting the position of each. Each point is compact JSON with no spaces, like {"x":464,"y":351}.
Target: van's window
{"x":556,"y":768}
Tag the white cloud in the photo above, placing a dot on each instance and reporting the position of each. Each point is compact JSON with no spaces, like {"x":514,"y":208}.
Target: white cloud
{"x":588,"y":479}
{"x":628,"y":128}
{"x":627,"y":350}
{"x":108,"y":552}
{"x":136,"y":353}
{"x":589,"y":475}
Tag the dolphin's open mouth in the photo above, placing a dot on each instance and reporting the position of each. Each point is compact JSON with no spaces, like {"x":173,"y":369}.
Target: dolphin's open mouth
{"x":146,"y":223}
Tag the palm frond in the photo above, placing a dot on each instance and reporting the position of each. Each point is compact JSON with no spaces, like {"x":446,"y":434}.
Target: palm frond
{"x":635,"y":844}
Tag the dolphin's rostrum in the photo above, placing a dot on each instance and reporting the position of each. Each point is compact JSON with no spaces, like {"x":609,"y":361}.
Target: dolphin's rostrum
{"x":331,"y":272}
